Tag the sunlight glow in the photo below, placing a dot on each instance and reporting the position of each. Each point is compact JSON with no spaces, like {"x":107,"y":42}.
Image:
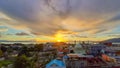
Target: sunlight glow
{"x":58,"y":40}
{"x":59,"y":37}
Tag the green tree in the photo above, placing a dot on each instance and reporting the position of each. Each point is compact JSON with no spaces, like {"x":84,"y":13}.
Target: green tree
{"x":39,"y":47}
{"x":1,"y":53}
{"x":22,"y":62}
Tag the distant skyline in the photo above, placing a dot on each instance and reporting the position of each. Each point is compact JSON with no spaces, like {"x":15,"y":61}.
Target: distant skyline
{"x":59,"y":20}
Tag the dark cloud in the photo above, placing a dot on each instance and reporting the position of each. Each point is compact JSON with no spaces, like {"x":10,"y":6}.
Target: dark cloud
{"x":114,"y":19}
{"x":47,"y":16}
{"x":22,"y":10}
{"x":78,"y":36}
{"x":22,"y":34}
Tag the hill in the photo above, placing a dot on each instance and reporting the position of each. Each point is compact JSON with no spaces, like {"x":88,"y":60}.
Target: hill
{"x":114,"y":40}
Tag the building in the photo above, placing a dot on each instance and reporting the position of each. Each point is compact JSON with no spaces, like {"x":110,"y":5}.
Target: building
{"x":56,"y":63}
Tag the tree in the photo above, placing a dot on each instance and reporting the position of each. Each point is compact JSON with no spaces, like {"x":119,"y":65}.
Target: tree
{"x":22,"y":62}
{"x":4,"y":49}
{"x":39,"y":47}
{"x":1,"y":53}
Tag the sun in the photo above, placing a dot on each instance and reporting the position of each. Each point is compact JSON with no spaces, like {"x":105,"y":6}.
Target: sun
{"x":59,"y":37}
{"x":58,"y":40}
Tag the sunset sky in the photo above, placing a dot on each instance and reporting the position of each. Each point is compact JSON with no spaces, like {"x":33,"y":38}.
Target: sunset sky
{"x":59,"y":20}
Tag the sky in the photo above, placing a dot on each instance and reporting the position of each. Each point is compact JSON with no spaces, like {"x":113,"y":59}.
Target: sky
{"x":59,"y":20}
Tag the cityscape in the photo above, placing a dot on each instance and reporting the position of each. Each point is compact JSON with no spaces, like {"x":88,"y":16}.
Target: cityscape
{"x":59,"y":34}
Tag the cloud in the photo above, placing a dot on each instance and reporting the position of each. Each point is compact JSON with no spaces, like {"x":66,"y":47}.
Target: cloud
{"x":114,"y":35}
{"x":79,"y":36}
{"x":22,"y":34}
{"x":0,"y":36}
{"x":3,"y":29}
{"x":114,"y":19}
{"x":49,"y":16}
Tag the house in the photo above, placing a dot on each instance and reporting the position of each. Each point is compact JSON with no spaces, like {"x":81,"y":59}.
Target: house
{"x":79,"y":49}
{"x":56,"y":63}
